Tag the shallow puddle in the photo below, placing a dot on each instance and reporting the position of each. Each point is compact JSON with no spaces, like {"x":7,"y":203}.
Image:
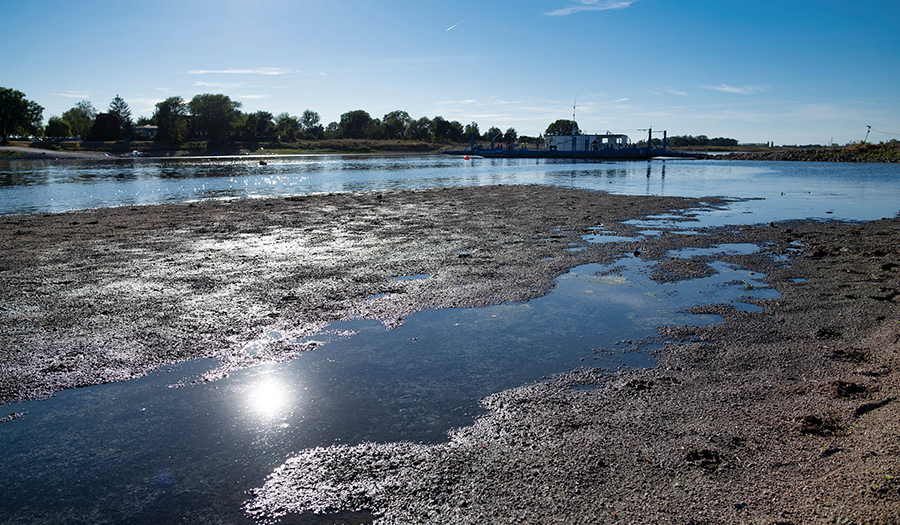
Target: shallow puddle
{"x":719,"y":249}
{"x":608,"y":237}
{"x":412,"y":277}
{"x":144,"y":451}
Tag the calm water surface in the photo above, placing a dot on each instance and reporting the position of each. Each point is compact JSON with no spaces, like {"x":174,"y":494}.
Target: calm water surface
{"x":145,"y":452}
{"x":786,"y":190}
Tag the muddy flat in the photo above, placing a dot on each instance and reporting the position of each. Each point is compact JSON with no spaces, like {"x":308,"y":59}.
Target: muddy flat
{"x":787,"y":415}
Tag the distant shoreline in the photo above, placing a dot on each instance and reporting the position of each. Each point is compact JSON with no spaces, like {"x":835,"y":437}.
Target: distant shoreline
{"x":26,"y":150}
{"x":20,"y":154}
{"x":856,"y":153}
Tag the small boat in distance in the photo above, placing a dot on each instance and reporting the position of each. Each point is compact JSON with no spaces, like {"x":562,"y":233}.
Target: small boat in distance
{"x":612,"y":146}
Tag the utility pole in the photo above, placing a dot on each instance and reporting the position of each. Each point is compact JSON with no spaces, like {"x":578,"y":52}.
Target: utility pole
{"x":574,"y":104}
{"x":869,"y":128}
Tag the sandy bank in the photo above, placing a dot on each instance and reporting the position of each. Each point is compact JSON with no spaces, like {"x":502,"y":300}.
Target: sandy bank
{"x":20,"y":153}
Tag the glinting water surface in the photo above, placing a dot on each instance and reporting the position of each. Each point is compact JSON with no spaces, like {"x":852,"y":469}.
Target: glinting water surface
{"x":781,"y":190}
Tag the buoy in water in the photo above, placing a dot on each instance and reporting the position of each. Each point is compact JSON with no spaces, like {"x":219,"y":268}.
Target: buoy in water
{"x":466,"y":157}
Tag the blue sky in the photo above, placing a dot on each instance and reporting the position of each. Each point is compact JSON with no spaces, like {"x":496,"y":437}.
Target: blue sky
{"x":782,"y":71}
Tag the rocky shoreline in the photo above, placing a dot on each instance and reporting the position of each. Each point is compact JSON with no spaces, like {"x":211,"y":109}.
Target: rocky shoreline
{"x":854,"y":153}
{"x":788,"y":415}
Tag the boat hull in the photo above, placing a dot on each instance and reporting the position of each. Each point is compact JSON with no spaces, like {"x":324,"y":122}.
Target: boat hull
{"x":622,"y":154}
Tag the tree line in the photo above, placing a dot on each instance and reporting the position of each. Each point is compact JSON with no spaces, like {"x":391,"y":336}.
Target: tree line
{"x":700,"y":140}
{"x":216,"y":119}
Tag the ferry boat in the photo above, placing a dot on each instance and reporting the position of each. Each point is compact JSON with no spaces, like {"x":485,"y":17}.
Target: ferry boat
{"x":613,"y":146}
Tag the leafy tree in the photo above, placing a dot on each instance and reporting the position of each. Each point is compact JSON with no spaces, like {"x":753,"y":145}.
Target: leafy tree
{"x":419,"y":129}
{"x":440,"y":128}
{"x":105,"y":127}
{"x":287,"y":127}
{"x":257,"y":126}
{"x":214,"y":116}
{"x":333,"y":130}
{"x":171,"y":119}
{"x":456,"y":131}
{"x":395,"y":124}
{"x":58,"y":128}
{"x":310,"y":119}
{"x":265,"y":125}
{"x":375,"y":130}
{"x":563,"y":127}
{"x":493,"y":133}
{"x":80,"y":118}
{"x":679,"y":140}
{"x":471,"y":130}
{"x":510,"y":136}
{"x":700,"y":140}
{"x":121,"y":113}
{"x":18,"y":116}
{"x":722,"y":141}
{"x":143,"y":121}
{"x":355,"y":124}
{"x":312,"y":125}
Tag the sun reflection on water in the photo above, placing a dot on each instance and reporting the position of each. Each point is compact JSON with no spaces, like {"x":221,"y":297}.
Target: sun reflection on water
{"x":269,"y":398}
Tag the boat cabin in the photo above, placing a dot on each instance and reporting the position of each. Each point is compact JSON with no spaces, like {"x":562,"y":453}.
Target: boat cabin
{"x":585,"y":142}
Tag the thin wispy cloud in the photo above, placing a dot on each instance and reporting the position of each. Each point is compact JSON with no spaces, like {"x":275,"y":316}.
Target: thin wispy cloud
{"x":468,"y":101}
{"x":251,"y":96}
{"x":220,"y":85}
{"x":676,"y":92}
{"x":456,"y":24}
{"x":254,"y":71}
{"x":74,"y":94}
{"x":592,"y":5}
{"x":745,"y":90}
{"x":501,"y":101}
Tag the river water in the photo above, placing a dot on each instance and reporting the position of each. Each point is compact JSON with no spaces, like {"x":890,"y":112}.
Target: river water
{"x":145,"y":451}
{"x":789,"y":190}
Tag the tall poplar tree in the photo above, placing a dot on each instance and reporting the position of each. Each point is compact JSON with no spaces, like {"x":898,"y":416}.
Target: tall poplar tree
{"x":120,"y":111}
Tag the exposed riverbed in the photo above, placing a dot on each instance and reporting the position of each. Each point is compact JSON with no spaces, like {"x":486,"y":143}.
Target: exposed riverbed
{"x":727,"y":428}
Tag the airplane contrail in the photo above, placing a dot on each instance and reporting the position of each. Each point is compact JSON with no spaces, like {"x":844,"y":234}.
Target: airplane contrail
{"x":456,"y":24}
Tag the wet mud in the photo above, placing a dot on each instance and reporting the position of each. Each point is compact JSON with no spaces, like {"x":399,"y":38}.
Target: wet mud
{"x":102,"y":295}
{"x":787,"y":415}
